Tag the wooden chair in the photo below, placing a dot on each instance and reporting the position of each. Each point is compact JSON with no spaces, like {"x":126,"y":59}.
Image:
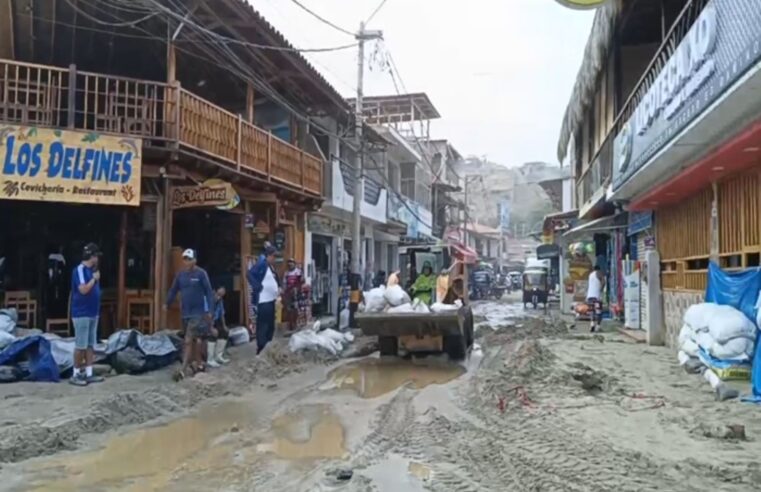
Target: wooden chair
{"x":26,"y":307}
{"x":140,"y":313}
{"x":60,"y":326}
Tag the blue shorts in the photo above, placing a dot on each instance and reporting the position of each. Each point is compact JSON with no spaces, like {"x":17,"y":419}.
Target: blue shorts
{"x":85,"y":332}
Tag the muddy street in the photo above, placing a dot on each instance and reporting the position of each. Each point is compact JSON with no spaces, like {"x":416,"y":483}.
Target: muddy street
{"x":536,"y":406}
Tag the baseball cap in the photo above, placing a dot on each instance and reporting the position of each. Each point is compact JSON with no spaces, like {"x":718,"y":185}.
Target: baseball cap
{"x":90,"y":250}
{"x":269,"y":250}
{"x":189,"y":254}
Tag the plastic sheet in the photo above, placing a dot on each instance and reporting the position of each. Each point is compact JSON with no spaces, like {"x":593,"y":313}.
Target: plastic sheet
{"x":739,"y":290}
{"x":35,"y":349}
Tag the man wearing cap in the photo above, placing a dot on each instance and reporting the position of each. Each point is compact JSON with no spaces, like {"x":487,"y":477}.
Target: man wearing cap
{"x":196,"y":302}
{"x":265,"y":289}
{"x":85,"y":309}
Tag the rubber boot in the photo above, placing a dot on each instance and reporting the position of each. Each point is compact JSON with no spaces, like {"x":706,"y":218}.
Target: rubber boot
{"x":211,"y":352}
{"x":221,"y":346}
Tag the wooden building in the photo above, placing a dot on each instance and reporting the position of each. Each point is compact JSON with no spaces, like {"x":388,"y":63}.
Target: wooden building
{"x":213,"y":109}
{"x":679,"y":144}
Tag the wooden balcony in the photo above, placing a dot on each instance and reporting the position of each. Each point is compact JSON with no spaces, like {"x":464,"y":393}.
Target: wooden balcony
{"x":159,"y":113}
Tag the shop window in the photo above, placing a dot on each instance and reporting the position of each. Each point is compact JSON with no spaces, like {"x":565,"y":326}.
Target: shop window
{"x":697,"y":264}
{"x":753,"y":260}
{"x":731,"y":261}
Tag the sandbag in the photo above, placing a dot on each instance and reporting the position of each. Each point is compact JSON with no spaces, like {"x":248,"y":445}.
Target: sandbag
{"x":374,"y":300}
{"x":443,"y":308}
{"x":8,"y":320}
{"x":727,"y":323}
{"x":402,"y":308}
{"x":737,"y":349}
{"x":419,"y":306}
{"x":690,"y":348}
{"x":396,"y":296}
{"x":697,"y":315}
{"x":239,"y":336}
{"x":343,"y":319}
{"x":6,"y":339}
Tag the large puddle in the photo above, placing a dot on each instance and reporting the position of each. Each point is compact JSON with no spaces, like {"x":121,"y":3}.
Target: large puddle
{"x":308,"y":432}
{"x":371,"y":378}
{"x":146,"y":459}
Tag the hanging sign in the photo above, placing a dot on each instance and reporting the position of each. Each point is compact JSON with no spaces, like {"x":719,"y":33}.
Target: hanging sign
{"x":51,"y":165}
{"x":210,"y":193}
{"x":581,"y":4}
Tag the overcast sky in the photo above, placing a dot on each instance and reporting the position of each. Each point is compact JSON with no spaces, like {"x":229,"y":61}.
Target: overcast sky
{"x":500,"y":72}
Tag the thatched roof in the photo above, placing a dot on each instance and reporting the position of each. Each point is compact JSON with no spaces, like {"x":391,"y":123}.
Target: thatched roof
{"x":595,"y":54}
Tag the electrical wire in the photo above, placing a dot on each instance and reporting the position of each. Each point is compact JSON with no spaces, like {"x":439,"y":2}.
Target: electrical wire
{"x":106,"y":23}
{"x":323,"y":19}
{"x":377,"y":9}
{"x":224,"y":49}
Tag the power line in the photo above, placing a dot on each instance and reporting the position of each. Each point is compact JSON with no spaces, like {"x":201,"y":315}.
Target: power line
{"x":377,"y":9}
{"x":322,"y":19}
{"x":110,"y":24}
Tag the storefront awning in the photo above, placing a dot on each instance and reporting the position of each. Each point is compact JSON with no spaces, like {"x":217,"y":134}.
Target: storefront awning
{"x":603,"y":224}
{"x":464,"y":253}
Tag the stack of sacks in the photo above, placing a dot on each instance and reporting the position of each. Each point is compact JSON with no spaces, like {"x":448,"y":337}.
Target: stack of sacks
{"x":392,"y":298}
{"x":715,"y":333}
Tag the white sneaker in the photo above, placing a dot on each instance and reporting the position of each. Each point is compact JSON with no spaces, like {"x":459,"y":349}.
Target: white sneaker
{"x":211,"y":351}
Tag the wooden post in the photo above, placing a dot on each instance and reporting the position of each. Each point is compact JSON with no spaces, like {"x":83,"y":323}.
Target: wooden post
{"x":72,"y":100}
{"x":245,"y":251}
{"x":269,"y":156}
{"x":250,"y":96}
{"x":7,"y":49}
{"x":239,"y":142}
{"x":301,"y":167}
{"x":160,"y":255}
{"x":121,"y":287}
{"x":171,"y":62}
{"x":714,"y":253}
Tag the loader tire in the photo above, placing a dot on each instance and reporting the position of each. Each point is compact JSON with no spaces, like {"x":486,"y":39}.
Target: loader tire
{"x":455,"y":347}
{"x":388,"y":346}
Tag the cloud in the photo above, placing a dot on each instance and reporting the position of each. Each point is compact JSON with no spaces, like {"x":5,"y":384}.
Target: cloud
{"x":499,"y":71}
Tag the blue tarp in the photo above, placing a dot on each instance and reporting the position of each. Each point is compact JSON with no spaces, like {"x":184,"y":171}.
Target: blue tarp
{"x":739,"y":290}
{"x":36,"y":350}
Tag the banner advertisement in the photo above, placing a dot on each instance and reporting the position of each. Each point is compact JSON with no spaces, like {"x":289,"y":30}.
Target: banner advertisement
{"x":51,"y":165}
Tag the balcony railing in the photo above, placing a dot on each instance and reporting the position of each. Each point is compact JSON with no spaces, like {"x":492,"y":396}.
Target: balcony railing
{"x":597,"y":175}
{"x":157,"y":112}
{"x":599,"y":172}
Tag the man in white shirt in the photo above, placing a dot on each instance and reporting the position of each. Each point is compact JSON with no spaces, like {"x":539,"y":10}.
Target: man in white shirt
{"x":265,"y":288}
{"x":594,"y":297}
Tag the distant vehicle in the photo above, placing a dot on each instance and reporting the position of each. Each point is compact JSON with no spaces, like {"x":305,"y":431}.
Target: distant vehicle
{"x":535,"y":288}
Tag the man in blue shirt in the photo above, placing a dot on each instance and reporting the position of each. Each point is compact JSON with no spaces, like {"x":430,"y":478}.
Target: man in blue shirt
{"x":85,"y":310}
{"x":196,"y":304}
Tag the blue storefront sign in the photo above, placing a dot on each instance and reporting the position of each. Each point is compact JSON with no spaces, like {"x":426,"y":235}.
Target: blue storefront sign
{"x":638,"y":222}
{"x":721,"y":46}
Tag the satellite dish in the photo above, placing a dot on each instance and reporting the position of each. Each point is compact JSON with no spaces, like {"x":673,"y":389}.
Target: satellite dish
{"x":581,"y":4}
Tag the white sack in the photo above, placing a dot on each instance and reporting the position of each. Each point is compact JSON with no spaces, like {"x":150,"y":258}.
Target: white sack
{"x":374,"y":300}
{"x":343,"y":319}
{"x":402,"y":308}
{"x":396,"y":296}
{"x":735,"y":349}
{"x":686,"y":334}
{"x":690,"y":348}
{"x":420,"y":307}
{"x":6,"y":339}
{"x":682,"y":357}
{"x":727,"y":323}
{"x":439,"y":307}
{"x":309,"y":340}
{"x":697,"y":315}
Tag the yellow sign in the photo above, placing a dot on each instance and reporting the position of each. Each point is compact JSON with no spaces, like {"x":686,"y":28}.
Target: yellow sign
{"x":210,"y":193}
{"x":69,"y":166}
{"x":581,"y":4}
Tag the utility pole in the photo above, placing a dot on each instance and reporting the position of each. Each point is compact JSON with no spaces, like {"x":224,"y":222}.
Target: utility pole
{"x":359,"y":181}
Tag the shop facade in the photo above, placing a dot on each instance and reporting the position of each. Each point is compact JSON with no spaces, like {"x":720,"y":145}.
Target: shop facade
{"x":178,"y":155}
{"x":691,"y":158}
